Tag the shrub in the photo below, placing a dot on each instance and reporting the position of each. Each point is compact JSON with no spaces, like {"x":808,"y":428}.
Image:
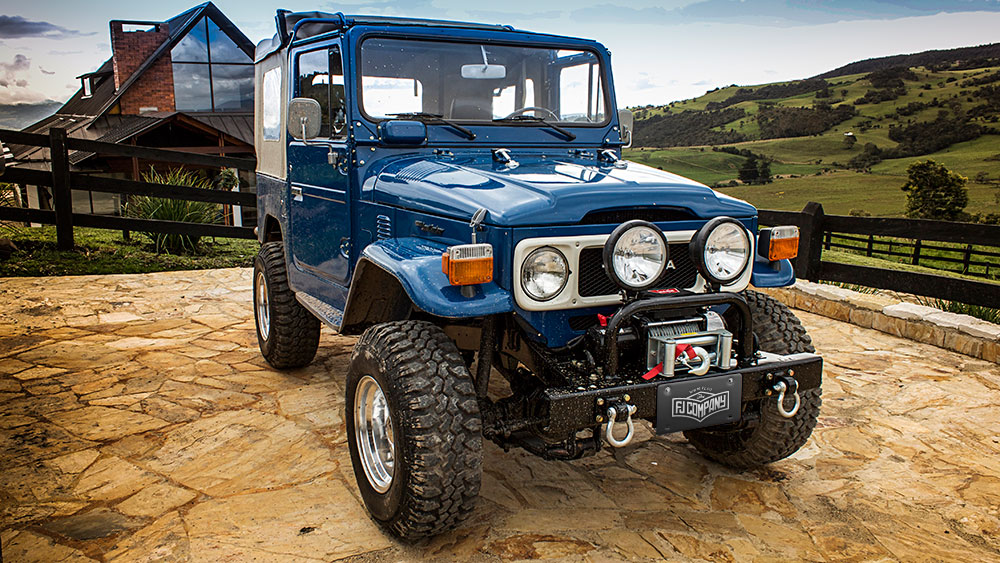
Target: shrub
{"x":934,"y":192}
{"x":9,"y":198}
{"x":147,"y":207}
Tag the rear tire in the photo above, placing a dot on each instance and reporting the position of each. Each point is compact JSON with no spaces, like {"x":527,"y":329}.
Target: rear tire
{"x":424,"y":479}
{"x":771,"y":437}
{"x":287,"y":333}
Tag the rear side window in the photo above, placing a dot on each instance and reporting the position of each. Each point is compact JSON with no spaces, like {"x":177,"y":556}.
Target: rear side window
{"x":271,"y":105}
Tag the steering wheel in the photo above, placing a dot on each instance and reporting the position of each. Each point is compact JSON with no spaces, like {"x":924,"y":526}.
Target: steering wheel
{"x":524,"y":110}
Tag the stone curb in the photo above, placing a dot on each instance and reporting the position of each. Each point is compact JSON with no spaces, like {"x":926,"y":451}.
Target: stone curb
{"x":959,"y":333}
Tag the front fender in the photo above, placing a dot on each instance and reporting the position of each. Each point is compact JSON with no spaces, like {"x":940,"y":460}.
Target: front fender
{"x":772,"y":274}
{"x":416,"y":263}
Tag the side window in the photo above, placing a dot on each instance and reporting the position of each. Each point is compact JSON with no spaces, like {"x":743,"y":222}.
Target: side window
{"x":321,"y":77}
{"x":338,"y":97}
{"x":271,"y":105}
{"x":580,"y":93}
{"x":314,"y":82}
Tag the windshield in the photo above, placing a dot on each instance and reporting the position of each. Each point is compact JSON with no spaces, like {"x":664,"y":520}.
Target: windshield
{"x":473,"y":82}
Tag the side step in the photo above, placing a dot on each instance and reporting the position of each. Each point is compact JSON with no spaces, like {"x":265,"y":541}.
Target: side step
{"x":330,"y":315}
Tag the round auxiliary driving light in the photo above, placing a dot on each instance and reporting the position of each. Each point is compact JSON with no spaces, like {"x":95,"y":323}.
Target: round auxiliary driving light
{"x":721,"y":250}
{"x":544,"y":273}
{"x":635,"y":255}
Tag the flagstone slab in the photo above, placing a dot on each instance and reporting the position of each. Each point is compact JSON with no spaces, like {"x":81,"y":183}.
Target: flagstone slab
{"x":237,"y":452}
{"x":319,"y":521}
{"x":105,"y":423}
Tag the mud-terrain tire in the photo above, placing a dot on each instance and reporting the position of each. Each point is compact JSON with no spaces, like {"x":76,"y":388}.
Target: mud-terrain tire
{"x":425,"y":390}
{"x":772,"y":436}
{"x":287,"y":333}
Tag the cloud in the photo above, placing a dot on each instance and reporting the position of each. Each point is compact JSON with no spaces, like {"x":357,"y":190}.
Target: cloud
{"x":383,"y":6}
{"x":703,"y":83}
{"x":56,"y":53}
{"x":503,"y":17}
{"x":644,"y":82}
{"x":16,"y":27}
{"x":9,"y":72}
{"x":48,"y":72}
{"x":780,"y":13}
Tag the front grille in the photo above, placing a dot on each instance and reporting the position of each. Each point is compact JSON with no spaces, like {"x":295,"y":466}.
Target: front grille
{"x":594,"y":280}
{"x":651,"y":214}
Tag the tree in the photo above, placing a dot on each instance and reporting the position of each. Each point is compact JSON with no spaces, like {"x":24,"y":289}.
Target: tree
{"x":764,"y":172}
{"x":934,"y":192}
{"x":749,"y":171}
{"x":849,"y":140}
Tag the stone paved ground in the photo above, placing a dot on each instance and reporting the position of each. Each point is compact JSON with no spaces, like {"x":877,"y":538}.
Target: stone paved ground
{"x":138,"y":422}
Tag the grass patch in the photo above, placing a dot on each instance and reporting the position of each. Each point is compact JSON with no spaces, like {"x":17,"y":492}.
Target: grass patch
{"x":101,"y":251}
{"x":843,"y":257}
{"x":842,"y":190}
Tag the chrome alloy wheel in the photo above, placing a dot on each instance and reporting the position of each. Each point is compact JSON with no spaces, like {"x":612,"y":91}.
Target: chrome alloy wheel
{"x":373,"y":434}
{"x":262,"y":306}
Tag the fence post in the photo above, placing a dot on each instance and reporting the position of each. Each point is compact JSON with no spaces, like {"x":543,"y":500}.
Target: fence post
{"x":810,"y":242}
{"x":871,"y":245}
{"x":916,"y":253}
{"x":62,"y":195}
{"x":966,"y":259}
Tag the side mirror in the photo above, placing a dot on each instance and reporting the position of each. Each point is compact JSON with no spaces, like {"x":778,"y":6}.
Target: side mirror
{"x":305,"y":118}
{"x":625,"y":123}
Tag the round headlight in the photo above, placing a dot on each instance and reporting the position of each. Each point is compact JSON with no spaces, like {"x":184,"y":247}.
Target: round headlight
{"x":722,"y":250}
{"x":635,"y":255}
{"x":544,"y":273}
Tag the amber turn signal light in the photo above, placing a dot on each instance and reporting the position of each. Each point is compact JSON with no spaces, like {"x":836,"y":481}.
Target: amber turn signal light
{"x":468,"y":264}
{"x":778,"y":243}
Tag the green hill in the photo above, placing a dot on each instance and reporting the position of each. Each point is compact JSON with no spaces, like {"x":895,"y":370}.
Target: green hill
{"x":843,"y":140}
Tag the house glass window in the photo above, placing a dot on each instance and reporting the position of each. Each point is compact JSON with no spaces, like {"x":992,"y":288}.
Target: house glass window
{"x":211,"y":72}
{"x":192,"y":87}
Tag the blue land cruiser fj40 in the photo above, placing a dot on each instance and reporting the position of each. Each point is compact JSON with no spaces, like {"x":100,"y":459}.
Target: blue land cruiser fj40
{"x":455,"y":194}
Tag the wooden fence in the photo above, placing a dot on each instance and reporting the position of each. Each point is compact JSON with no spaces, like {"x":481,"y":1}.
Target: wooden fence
{"x":62,"y":181}
{"x":819,"y":231}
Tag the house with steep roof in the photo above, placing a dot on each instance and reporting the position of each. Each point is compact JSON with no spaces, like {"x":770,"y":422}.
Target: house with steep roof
{"x":183,"y":84}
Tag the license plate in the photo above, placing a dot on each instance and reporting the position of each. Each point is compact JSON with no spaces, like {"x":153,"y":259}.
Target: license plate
{"x":697,"y":403}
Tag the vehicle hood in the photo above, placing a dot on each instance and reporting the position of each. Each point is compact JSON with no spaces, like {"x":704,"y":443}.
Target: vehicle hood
{"x":541,"y":191}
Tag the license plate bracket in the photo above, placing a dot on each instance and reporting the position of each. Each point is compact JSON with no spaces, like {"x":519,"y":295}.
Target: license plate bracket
{"x":697,"y":403}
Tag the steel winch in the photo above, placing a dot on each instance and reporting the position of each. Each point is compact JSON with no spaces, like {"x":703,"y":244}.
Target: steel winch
{"x":688,"y":346}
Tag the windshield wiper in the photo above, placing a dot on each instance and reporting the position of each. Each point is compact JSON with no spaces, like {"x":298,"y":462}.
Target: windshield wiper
{"x":423,"y":115}
{"x":535,"y":119}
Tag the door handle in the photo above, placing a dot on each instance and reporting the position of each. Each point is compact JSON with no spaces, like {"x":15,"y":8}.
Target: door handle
{"x":296,"y":193}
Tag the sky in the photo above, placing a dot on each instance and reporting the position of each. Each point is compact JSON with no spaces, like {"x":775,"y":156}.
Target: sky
{"x":661,"y":50}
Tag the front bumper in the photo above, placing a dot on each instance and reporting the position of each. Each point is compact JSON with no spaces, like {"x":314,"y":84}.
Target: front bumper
{"x":573,"y":409}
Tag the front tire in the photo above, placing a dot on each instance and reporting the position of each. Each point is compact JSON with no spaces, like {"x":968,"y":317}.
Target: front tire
{"x":771,"y":436}
{"x":287,"y":334}
{"x":414,"y":429}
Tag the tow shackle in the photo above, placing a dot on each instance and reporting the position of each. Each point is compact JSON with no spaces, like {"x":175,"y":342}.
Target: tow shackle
{"x":785,"y":385}
{"x":609,"y":428}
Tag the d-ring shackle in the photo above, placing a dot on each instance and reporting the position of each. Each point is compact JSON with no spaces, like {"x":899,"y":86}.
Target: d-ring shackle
{"x":608,"y":430}
{"x":780,"y":387}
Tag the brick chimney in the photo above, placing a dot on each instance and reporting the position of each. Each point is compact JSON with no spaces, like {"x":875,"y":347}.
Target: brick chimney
{"x":154,"y":91}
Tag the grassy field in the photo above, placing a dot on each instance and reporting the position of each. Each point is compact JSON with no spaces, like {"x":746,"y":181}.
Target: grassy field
{"x":100,"y":251}
{"x":814,"y":168}
{"x":842,"y":191}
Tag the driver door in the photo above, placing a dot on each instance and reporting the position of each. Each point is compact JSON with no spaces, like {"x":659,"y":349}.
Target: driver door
{"x":317,"y":171}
